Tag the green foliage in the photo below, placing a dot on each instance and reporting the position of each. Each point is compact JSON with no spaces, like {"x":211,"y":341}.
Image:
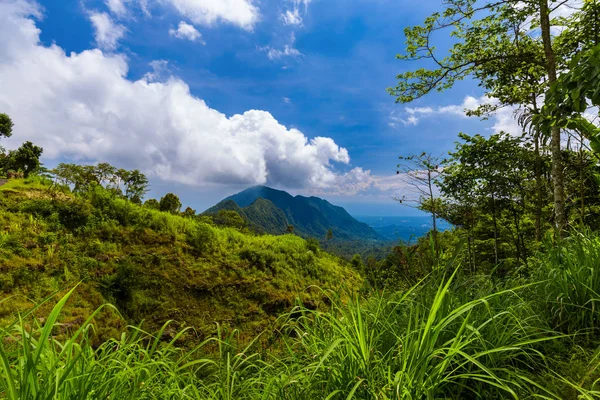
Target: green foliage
{"x":6,"y":125}
{"x":572,"y":286}
{"x":229,"y":218}
{"x":132,"y":185}
{"x":570,"y":97}
{"x":170,"y":203}
{"x":152,"y":265}
{"x":152,"y":203}
{"x":434,"y":340}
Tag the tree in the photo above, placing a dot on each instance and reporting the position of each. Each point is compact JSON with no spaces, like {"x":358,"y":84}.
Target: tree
{"x":290,"y":229}
{"x":136,"y":185}
{"x":82,"y":177}
{"x":153,"y":204}
{"x":419,"y":172}
{"x":329,"y":235}
{"x":189,"y":212}
{"x":489,"y":175}
{"x":26,"y":158}
{"x":491,"y":40}
{"x":6,"y":125}
{"x":170,"y":203}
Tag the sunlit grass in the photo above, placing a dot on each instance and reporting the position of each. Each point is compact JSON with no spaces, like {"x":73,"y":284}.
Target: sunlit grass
{"x":424,"y":343}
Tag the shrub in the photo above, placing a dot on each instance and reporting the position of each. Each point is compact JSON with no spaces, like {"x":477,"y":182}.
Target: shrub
{"x":201,"y":238}
{"x":74,"y":214}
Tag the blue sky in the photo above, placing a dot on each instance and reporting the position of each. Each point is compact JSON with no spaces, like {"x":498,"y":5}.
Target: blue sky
{"x":313,"y":68}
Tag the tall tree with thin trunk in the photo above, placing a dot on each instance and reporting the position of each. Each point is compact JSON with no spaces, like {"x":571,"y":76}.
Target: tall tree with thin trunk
{"x":496,"y":43}
{"x":420,"y":172}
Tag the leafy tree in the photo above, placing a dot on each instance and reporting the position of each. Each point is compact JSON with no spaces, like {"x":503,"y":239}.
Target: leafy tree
{"x":495,"y":43}
{"x":290,"y":229}
{"x":488,"y":176}
{"x":170,"y":203}
{"x":572,"y":95}
{"x":329,"y":235}
{"x":189,"y":212}
{"x":153,"y":204}
{"x":26,"y":158}
{"x":78,"y":177}
{"x":6,"y":125}
{"x":82,"y":177}
{"x":136,"y":185}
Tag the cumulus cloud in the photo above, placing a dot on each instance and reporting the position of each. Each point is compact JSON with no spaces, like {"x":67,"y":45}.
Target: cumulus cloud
{"x":242,"y":13}
{"x":351,"y":183}
{"x":186,"y":31}
{"x":82,"y":106}
{"x":107,"y":32}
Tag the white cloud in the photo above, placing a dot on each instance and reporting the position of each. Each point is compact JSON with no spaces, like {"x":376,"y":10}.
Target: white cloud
{"x":186,"y":31}
{"x":86,"y":109}
{"x":351,"y":183}
{"x":293,"y":16}
{"x":160,"y":71}
{"x":287,"y":100}
{"x":288,"y":50}
{"x":242,"y":13}
{"x":117,"y":7}
{"x":503,"y":119}
{"x":107,"y":33}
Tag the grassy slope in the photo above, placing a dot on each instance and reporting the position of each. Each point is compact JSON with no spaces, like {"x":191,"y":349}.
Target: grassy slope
{"x":153,"y":266}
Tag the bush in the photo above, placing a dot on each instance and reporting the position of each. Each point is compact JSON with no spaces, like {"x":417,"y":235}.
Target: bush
{"x":201,"y":238}
{"x":74,"y":214}
{"x":312,"y":244}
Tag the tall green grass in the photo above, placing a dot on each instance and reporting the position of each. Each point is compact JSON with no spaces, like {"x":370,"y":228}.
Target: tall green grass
{"x":427,"y":342}
{"x":571,"y":289}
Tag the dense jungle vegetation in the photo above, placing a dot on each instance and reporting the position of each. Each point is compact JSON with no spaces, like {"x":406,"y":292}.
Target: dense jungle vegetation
{"x":105,"y":295}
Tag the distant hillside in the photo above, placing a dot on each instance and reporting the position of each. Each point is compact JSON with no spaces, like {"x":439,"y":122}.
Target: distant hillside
{"x":272,"y":210}
{"x":154,"y":266}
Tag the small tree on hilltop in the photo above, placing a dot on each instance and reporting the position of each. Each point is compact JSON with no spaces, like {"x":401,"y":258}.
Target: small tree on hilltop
{"x":6,"y":125}
{"x":153,"y":204}
{"x":170,"y":203}
{"x":26,"y":158}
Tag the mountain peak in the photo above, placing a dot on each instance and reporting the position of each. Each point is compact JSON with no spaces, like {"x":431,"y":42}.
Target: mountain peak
{"x":310,"y":216}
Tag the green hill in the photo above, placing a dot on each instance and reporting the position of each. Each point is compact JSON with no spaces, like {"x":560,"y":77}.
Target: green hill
{"x":265,"y":207}
{"x":152,"y":265}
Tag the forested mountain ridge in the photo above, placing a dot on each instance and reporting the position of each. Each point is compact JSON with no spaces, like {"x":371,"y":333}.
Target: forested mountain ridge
{"x":274,"y":211}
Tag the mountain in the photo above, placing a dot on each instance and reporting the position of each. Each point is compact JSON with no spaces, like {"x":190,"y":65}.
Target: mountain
{"x":271,"y":211}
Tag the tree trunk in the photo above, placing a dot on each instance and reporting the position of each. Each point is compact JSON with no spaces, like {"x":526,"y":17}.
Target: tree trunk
{"x":495,"y":229}
{"x":433,"y":214}
{"x":517,"y":235}
{"x":581,"y":182}
{"x":560,"y":216}
{"x":539,"y":189}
